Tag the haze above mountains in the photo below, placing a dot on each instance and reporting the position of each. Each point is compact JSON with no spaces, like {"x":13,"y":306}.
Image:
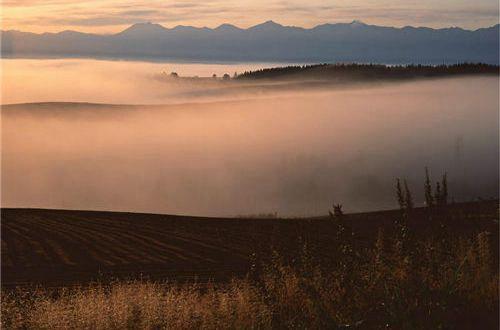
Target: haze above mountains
{"x":269,"y":41}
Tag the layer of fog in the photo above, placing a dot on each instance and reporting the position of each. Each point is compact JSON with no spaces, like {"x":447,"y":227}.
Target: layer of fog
{"x":293,"y":153}
{"x":122,"y":82}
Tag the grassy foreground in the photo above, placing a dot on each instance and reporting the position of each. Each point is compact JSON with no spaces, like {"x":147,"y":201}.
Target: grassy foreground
{"x":397,"y":281}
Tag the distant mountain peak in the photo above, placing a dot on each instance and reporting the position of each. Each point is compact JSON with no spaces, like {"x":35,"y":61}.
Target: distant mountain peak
{"x":267,"y":25}
{"x":270,"y":23}
{"x":70,"y":33}
{"x":356,"y":23}
{"x":188,"y":28}
{"x":227,"y":27}
{"x":147,"y":27}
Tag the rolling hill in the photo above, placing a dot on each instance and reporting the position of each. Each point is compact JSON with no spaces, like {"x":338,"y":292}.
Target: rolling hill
{"x":60,"y":247}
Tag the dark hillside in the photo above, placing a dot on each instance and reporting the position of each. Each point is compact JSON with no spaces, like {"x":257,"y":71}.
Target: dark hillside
{"x":57,"y":247}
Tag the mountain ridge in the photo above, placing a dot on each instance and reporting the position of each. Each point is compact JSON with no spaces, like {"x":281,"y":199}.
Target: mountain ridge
{"x":353,"y":22}
{"x":269,"y":41}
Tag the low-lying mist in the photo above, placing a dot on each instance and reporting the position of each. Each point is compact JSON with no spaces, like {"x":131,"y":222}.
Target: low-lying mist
{"x":121,"y":82}
{"x":292,"y":153}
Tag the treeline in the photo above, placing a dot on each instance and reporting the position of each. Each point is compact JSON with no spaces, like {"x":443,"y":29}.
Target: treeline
{"x":368,"y":71}
{"x":432,"y":199}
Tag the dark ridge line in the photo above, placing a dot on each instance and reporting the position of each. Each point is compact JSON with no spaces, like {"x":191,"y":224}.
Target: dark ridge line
{"x":257,"y":26}
{"x":200,"y":217}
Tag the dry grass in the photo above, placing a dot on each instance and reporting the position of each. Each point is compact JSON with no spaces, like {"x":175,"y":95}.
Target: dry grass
{"x":399,"y":282}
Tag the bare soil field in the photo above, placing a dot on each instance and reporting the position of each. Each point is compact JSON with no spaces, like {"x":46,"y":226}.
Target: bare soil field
{"x":63,"y":247}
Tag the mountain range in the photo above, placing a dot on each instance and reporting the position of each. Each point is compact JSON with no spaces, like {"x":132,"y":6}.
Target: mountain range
{"x":269,"y":41}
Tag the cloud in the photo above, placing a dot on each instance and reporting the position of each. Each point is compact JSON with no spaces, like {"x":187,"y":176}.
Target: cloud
{"x":112,"y":15}
{"x":29,"y":3}
{"x":140,"y":12}
{"x":98,"y":21}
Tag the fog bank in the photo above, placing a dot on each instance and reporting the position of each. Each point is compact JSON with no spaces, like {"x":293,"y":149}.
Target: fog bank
{"x":293,"y":153}
{"x":121,"y":82}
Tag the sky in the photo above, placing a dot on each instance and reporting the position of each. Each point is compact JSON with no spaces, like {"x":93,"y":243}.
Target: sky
{"x":111,"y":16}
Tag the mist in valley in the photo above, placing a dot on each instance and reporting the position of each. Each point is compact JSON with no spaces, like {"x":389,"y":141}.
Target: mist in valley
{"x":122,"y":82}
{"x":208,"y":151}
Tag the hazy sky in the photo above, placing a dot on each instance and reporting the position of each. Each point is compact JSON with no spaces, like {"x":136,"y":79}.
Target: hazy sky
{"x":108,"y":16}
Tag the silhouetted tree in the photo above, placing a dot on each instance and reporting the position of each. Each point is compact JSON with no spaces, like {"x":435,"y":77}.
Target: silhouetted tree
{"x":428,"y":189}
{"x":438,"y":194}
{"x":444,"y":193}
{"x":408,"y":199}
{"x":226,"y":76}
{"x":337,"y":211}
{"x":399,"y":194}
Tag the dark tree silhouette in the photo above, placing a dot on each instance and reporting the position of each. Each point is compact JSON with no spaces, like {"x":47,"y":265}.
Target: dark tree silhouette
{"x":337,"y":211}
{"x":399,"y":194}
{"x":438,"y":195}
{"x":444,"y":194}
{"x":343,"y":72}
{"x":429,"y":201}
{"x":408,"y":199}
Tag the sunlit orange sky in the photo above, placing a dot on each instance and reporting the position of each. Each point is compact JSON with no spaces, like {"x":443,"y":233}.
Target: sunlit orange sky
{"x":109,"y":16}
